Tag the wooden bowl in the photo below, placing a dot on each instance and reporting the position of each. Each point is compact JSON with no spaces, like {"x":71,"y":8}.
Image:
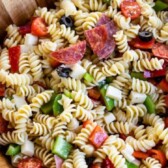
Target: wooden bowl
{"x":17,"y":12}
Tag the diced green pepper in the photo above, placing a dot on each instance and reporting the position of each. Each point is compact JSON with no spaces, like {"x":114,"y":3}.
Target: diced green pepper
{"x":137,"y":75}
{"x":131,"y":165}
{"x":108,"y":101}
{"x":88,"y":77}
{"x":109,"y":79}
{"x":61,"y":147}
{"x":67,"y":93}
{"x":48,"y":107}
{"x":149,"y":104}
{"x":13,"y":150}
{"x":57,"y":108}
{"x":159,"y":6}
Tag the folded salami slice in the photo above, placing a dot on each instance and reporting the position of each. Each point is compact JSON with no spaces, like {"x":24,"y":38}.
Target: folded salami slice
{"x":70,"y":55}
{"x":160,"y":50}
{"x":101,"y":39}
{"x":103,"y":20}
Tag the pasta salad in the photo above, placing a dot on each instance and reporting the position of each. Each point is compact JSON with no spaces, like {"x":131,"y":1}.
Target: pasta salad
{"x":85,"y":85}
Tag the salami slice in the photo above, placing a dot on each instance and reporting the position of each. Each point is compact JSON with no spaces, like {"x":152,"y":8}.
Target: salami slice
{"x":101,"y":39}
{"x":160,"y":50}
{"x":103,"y":20}
{"x":70,"y":55}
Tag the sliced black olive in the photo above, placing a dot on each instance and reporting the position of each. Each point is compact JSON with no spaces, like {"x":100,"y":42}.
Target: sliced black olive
{"x":89,"y":161}
{"x":67,"y":21}
{"x":158,"y":79}
{"x":145,"y":36}
{"x":63,"y":72}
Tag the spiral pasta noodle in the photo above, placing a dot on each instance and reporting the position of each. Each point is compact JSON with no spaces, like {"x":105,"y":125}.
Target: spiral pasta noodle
{"x":121,"y":41}
{"x":150,"y":163}
{"x":142,"y":86}
{"x":4,"y":60}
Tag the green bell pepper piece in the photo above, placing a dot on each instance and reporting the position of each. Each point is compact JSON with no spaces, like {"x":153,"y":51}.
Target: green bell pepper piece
{"x":88,"y":77}
{"x":138,"y":75}
{"x":149,"y":105}
{"x":13,"y":150}
{"x":61,"y":147}
{"x":57,"y":108}
{"x":159,"y":6}
{"x":131,"y":165}
{"x":48,"y":107}
{"x":108,"y":101}
{"x":67,"y":93}
{"x":109,"y":79}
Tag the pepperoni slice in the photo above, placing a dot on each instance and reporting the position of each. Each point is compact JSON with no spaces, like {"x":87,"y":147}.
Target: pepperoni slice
{"x":70,"y":55}
{"x":160,"y":50}
{"x":101,"y":39}
{"x":130,"y":9}
{"x":3,"y":125}
{"x":30,"y":163}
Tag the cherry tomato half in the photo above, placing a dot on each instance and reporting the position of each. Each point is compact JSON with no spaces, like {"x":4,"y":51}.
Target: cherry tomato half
{"x":130,"y":9}
{"x":38,"y":27}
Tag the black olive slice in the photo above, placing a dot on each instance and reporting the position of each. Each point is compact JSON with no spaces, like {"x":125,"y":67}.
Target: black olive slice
{"x":67,"y":21}
{"x":145,"y":36}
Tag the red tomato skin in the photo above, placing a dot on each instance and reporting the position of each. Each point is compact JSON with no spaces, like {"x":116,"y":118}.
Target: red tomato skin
{"x":3,"y":125}
{"x":107,"y":163}
{"x":30,"y":163}
{"x":14,"y":55}
{"x":98,"y":136}
{"x":130,"y":9}
{"x":96,"y":165}
{"x":38,"y":27}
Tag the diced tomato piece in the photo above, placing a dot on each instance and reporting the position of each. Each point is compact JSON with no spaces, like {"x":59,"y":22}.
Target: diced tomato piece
{"x":14,"y":56}
{"x":70,"y":55}
{"x":159,"y":155}
{"x":98,"y":136}
{"x":94,"y":93}
{"x":140,"y":155}
{"x":107,"y":163}
{"x":3,"y":125}
{"x":166,"y":100}
{"x":123,"y":136}
{"x":2,"y":89}
{"x":166,"y":122}
{"x":38,"y":27}
{"x":130,"y":9}
{"x":86,"y":123}
{"x":137,"y":43}
{"x":96,"y":165}
{"x":163,"y":85}
{"x":30,"y":163}
{"x":160,"y":50}
{"x":23,"y":30}
{"x":154,"y":74}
